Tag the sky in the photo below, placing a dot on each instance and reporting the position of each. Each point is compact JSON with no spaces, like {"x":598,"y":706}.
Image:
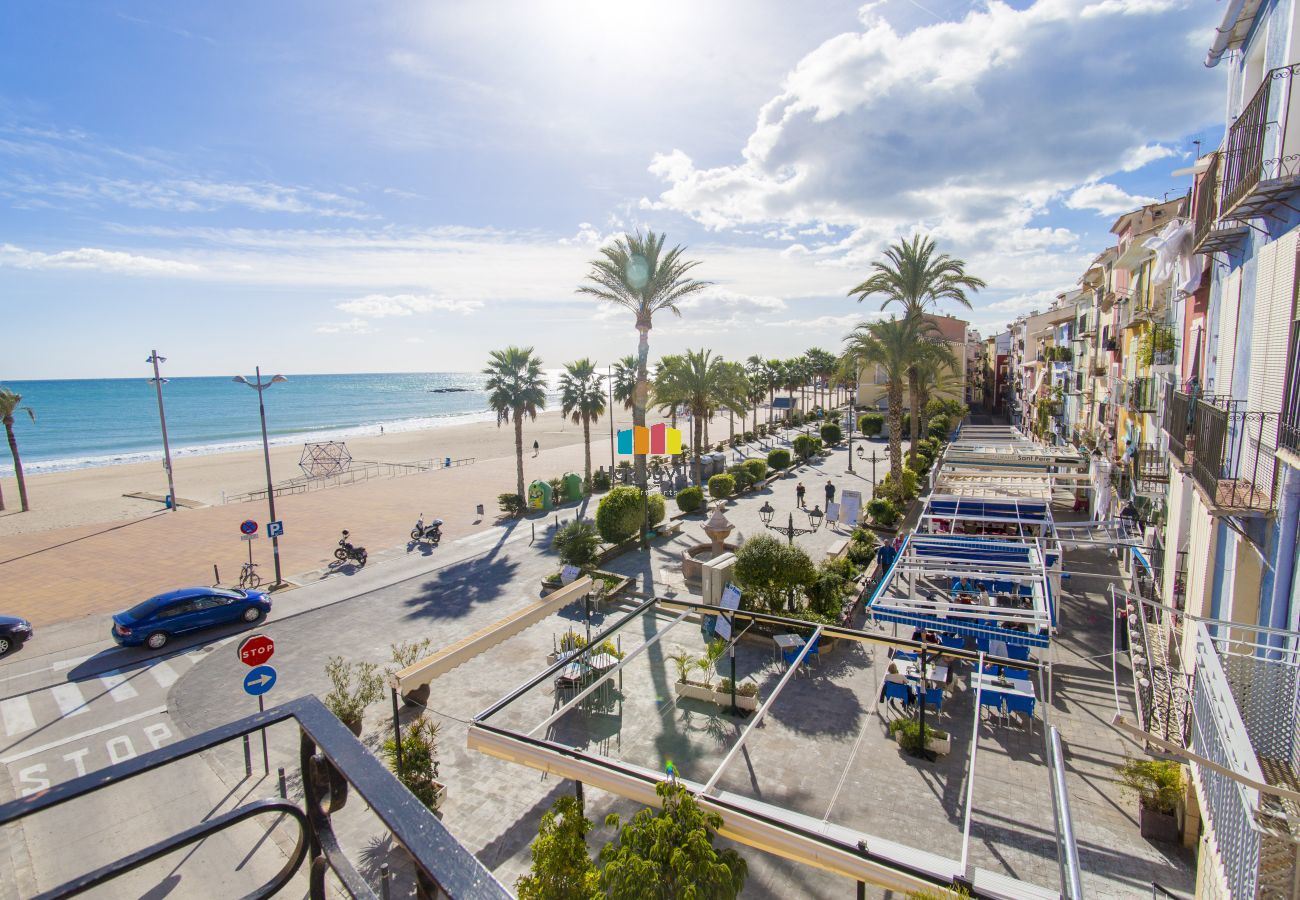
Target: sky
{"x":405,"y":186}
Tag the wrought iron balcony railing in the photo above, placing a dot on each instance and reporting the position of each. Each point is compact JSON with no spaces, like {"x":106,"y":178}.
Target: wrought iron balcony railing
{"x":1210,"y":234}
{"x":1289,"y":432}
{"x":333,"y":762}
{"x":1143,"y":395}
{"x":1234,"y":460}
{"x":1151,"y":470}
{"x":1178,"y":424}
{"x":1260,"y":158}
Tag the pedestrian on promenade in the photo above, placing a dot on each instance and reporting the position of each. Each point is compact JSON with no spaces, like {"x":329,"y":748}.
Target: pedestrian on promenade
{"x":830,"y":492}
{"x":537,"y":448}
{"x":798,"y":493}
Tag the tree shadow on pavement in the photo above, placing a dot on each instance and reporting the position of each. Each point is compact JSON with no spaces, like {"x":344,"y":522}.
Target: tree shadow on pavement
{"x":457,"y":589}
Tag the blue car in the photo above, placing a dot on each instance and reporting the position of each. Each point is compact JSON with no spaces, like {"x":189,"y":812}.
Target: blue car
{"x":155,"y":621}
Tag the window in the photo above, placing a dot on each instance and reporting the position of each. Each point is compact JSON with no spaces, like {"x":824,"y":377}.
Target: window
{"x":179,"y":608}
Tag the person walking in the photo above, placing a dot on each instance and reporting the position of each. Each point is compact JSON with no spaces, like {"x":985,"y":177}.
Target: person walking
{"x":798,"y":493}
{"x":830,"y":492}
{"x":537,"y":448}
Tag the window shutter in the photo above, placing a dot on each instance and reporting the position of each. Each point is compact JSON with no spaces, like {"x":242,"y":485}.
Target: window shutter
{"x":1229,"y":304}
{"x":1274,"y":287}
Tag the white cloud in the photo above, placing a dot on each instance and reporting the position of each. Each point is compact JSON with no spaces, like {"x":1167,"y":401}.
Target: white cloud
{"x":1147,"y":153}
{"x":96,"y":259}
{"x":352,"y":326}
{"x":379,"y":306}
{"x":1106,"y":199}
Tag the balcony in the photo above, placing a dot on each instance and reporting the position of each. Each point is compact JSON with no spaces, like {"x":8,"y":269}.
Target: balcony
{"x":1234,"y":461}
{"x":1289,"y":432}
{"x":1260,"y":161}
{"x":1178,"y":424}
{"x":1151,"y":471}
{"x":333,"y":763}
{"x":1143,"y":395}
{"x":1211,"y":234}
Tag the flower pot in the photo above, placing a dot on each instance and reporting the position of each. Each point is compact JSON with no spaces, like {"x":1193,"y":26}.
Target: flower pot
{"x":1155,"y":825}
{"x":354,"y":726}
{"x":723,"y":699}
{"x":694,"y":691}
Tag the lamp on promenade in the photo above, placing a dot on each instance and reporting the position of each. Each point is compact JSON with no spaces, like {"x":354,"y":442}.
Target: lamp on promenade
{"x":875,"y":458}
{"x":815,"y":516}
{"x":260,"y":386}
{"x":158,"y":381}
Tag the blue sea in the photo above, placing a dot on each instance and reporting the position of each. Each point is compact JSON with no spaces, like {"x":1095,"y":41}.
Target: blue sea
{"x":111,"y":421}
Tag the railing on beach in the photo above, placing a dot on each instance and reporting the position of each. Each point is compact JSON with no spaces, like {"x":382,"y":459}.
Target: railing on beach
{"x":359,"y":471}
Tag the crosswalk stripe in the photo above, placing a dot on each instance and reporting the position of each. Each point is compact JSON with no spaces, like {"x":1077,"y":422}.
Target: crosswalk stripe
{"x":118,"y":687}
{"x":69,"y":698}
{"x":17,"y":714}
{"x":164,"y":674}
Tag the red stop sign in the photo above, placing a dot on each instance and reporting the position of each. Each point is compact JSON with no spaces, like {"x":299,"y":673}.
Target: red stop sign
{"x":256,"y":650}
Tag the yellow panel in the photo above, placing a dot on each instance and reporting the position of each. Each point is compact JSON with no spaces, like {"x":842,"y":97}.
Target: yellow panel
{"x":673,"y":440}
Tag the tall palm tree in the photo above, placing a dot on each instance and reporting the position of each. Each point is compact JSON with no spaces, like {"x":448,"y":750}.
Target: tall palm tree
{"x":892,"y":344}
{"x":583,"y":400}
{"x":916,"y":277}
{"x":936,"y":373}
{"x":516,"y":388}
{"x":9,"y":404}
{"x":636,"y":274}
{"x":703,"y":383}
{"x":823,"y":365}
{"x":625,"y":381}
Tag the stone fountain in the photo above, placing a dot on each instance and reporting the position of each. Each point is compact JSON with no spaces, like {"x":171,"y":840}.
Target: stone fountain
{"x":718,"y":528}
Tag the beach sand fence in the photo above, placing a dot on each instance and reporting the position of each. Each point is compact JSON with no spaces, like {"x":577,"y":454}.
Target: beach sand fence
{"x":357,"y":472}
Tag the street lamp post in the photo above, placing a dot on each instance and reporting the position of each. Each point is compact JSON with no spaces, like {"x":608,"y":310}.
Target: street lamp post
{"x":158,"y":382}
{"x":815,"y":516}
{"x":261,"y":386}
{"x":852,"y":416}
{"x":875,"y":458}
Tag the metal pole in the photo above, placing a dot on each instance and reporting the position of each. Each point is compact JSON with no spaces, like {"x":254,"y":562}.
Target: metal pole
{"x":248,"y":757}
{"x":270,"y":488}
{"x":852,"y":416}
{"x":266,"y":756}
{"x":397,"y":732}
{"x":284,"y":786}
{"x":162,"y":420}
{"x":611,"y":426}
{"x":789,"y":531}
{"x":732,"y":648}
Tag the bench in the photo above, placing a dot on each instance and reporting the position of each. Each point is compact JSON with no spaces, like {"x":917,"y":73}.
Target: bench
{"x":837,"y":549}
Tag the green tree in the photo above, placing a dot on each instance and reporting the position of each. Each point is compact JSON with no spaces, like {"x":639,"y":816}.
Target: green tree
{"x":516,"y":388}
{"x":419,"y":759}
{"x":704,"y":384}
{"x":624,"y":372}
{"x":917,"y":278}
{"x":10,"y":403}
{"x":636,"y":274}
{"x":760,"y":383}
{"x":822,"y":364}
{"x":583,"y":400}
{"x":619,"y":515}
{"x":668,"y":853}
{"x":562,"y":867}
{"x":936,"y":372}
{"x":577,"y":543}
{"x":804,"y":446}
{"x":771,"y":571}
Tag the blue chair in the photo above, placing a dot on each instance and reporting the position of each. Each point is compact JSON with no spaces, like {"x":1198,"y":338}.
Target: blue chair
{"x":790,"y":655}
{"x":905,"y":654}
{"x":953,"y":641}
{"x":1017,"y":703}
{"x":1017,"y":674}
{"x":934,"y":698}
{"x":982,"y":643}
{"x":896,"y":691}
{"x":1018,"y":651}
{"x":992,"y":700}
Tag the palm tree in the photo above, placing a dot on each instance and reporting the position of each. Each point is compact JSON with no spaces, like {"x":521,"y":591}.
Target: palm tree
{"x":625,"y":381}
{"x":636,"y":274}
{"x":823,"y":365}
{"x":702,"y":383}
{"x":9,"y":404}
{"x":892,"y":344}
{"x":914,"y":276}
{"x":936,"y":373}
{"x":583,"y":400}
{"x":516,"y":388}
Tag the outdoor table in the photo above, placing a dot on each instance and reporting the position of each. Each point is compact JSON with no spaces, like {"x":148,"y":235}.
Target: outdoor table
{"x":602,"y":661}
{"x":786,"y":642}
{"x":989,"y":684}
{"x":935,"y":674}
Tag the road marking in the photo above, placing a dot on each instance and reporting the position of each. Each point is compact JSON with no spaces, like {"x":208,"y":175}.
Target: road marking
{"x":69,"y":698}
{"x":164,"y":674}
{"x":69,"y":663}
{"x":9,"y":760}
{"x":17,"y":713}
{"x":118,"y":687}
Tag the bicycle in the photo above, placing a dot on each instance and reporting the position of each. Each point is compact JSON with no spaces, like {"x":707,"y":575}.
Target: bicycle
{"x":248,"y":577}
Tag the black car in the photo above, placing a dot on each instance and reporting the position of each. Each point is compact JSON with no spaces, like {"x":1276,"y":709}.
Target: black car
{"x":14,"y":632}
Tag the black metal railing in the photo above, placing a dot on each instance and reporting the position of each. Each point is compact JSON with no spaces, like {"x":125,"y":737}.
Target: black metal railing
{"x":332,"y":762}
{"x":1143,"y":394}
{"x":1151,"y":470}
{"x":1256,"y":149}
{"x":1207,"y":201}
{"x":1234,"y":462}
{"x":1178,"y":423}
{"x":1288,"y":435}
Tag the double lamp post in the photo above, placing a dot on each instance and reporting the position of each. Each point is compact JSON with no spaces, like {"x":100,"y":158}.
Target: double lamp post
{"x":259,"y":385}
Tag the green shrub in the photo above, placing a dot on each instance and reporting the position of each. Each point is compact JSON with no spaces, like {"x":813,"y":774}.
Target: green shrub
{"x":419,"y":768}
{"x":722,"y":486}
{"x":909,"y":734}
{"x":749,"y":435}
{"x":756,"y":468}
{"x":805,"y":445}
{"x":934,"y":446}
{"x":744,"y":689}
{"x":767,"y":569}
{"x":778,"y":459}
{"x":511,"y":504}
{"x":600,"y":480}
{"x":871,"y":424}
{"x":577,"y":544}
{"x":618,"y":517}
{"x":744,"y":480}
{"x":1158,"y":783}
{"x":860,"y":553}
{"x":900,"y":495}
{"x":832,"y":433}
{"x":883,"y":512}
{"x":939,"y":427}
{"x":936,"y":407}
{"x":690,"y":499}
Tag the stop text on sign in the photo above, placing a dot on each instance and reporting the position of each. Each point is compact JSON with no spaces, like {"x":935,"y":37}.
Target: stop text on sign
{"x":256,"y":650}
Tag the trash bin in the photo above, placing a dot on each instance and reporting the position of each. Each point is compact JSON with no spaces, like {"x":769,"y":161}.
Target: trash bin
{"x":539,"y":496}
{"x":572,"y":486}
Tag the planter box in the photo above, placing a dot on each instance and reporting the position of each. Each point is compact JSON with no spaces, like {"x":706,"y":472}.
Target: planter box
{"x":941,"y":746}
{"x":1157,"y":826}
{"x":709,"y":695}
{"x":693,"y":691}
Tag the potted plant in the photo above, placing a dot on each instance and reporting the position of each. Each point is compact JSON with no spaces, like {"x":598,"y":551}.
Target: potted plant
{"x":354,"y":686}
{"x":746,"y":694}
{"x":419,"y":770}
{"x":684,"y":686}
{"x":1158,"y":784}
{"x":908,"y":734}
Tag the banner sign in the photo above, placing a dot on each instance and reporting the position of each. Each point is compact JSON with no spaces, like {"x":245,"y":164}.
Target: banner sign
{"x":657,"y":439}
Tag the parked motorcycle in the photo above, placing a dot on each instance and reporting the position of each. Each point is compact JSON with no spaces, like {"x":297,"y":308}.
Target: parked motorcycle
{"x":346,"y":551}
{"x":431,"y":532}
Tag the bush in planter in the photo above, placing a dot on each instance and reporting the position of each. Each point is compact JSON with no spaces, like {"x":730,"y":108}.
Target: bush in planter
{"x":618,"y":517}
{"x":768,"y":569}
{"x":749,"y":435}
{"x":1157,"y":783}
{"x":939,"y":427}
{"x":756,"y":468}
{"x":744,"y":689}
{"x":722,"y":486}
{"x":871,"y":424}
{"x":562,"y":866}
{"x":577,"y":544}
{"x":804,"y":446}
{"x":827,"y":590}
{"x":778,"y":459}
{"x":684,"y":663}
{"x":860,"y":553}
{"x":690,"y":499}
{"x":511,"y":504}
{"x":600,"y":480}
{"x":744,"y":480}
{"x":572,"y":640}
{"x":831,"y":433}
{"x":955,"y":892}
{"x":354,"y":686}
{"x":908,"y":734}
{"x":891,"y":490}
{"x":883,"y":512}
{"x":419,"y":770}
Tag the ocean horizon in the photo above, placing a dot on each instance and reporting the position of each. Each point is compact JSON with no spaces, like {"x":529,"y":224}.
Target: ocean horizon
{"x":90,"y":422}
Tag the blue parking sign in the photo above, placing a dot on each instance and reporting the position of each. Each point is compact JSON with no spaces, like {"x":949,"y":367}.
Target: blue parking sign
{"x":274,"y":529}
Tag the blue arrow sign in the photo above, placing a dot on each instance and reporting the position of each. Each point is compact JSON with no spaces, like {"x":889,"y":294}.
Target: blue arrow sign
{"x":259,"y":680}
{"x":274,"y":529}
